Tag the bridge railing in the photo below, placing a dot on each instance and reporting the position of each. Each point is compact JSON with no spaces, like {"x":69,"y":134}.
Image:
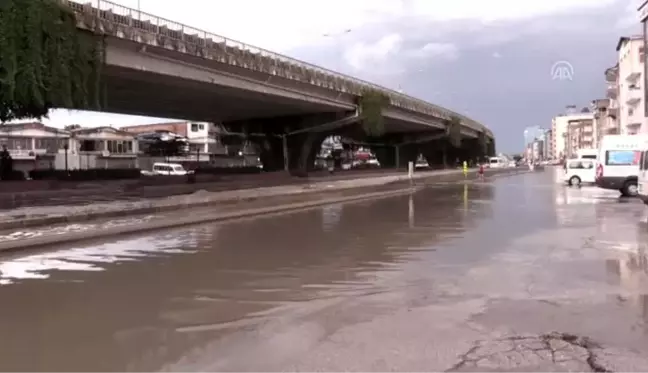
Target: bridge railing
{"x":122,"y":21}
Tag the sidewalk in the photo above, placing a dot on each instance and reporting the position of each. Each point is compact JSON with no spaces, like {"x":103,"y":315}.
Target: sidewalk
{"x":50,"y":215}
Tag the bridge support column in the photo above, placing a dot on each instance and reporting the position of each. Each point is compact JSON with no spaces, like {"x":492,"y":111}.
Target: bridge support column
{"x":408,"y":153}
{"x":491,"y":148}
{"x":286,"y":156}
{"x":272,"y":157}
{"x":438,"y":153}
{"x":386,"y":155}
{"x":292,"y":143}
{"x":302,"y":151}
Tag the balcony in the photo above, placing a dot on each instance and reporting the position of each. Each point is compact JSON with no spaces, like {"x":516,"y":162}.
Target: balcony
{"x":612,"y":91}
{"x":634,"y":126}
{"x":634,"y":96}
{"x":633,"y":76}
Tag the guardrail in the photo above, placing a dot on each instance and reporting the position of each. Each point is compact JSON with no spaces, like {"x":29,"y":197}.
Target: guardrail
{"x":121,"y":21}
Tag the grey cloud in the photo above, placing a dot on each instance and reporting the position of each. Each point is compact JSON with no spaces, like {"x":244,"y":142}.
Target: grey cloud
{"x":507,"y":93}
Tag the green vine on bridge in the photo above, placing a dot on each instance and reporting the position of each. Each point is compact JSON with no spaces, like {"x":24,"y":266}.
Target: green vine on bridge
{"x":453,"y":131}
{"x":372,"y":103}
{"x":45,"y":62}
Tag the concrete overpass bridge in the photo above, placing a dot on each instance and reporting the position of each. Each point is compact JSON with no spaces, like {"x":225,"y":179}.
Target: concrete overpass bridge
{"x":160,"y":68}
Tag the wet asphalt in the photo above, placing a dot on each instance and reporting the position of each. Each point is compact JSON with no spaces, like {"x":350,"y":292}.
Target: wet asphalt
{"x":515,"y":273}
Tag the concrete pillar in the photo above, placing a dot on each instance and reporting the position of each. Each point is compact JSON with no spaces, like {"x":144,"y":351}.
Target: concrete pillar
{"x":410,"y":210}
{"x":407,"y":153}
{"x":397,"y":153}
{"x":286,"y":155}
{"x":301,"y":147}
{"x":386,"y":155}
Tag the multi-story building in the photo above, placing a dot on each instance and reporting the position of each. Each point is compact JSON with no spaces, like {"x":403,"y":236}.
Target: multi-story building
{"x":548,"y":139}
{"x":631,"y":97}
{"x":611,"y":126}
{"x":643,"y":17}
{"x":605,"y":122}
{"x":537,"y":149}
{"x":580,"y":135}
{"x":202,"y":137}
{"x":559,"y":133}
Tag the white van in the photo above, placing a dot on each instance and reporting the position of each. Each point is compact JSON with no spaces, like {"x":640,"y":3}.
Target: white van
{"x":642,"y":178}
{"x":587,"y":153}
{"x":580,"y":171}
{"x":618,"y":163}
{"x":169,"y":169}
{"x":497,"y":162}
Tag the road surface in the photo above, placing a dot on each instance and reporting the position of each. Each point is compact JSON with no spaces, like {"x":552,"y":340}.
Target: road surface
{"x":514,"y":274}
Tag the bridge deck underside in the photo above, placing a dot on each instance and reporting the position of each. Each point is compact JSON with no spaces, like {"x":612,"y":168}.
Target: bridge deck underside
{"x":138,"y":92}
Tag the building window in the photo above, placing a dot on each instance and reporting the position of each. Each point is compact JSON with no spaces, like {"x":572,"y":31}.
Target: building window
{"x":52,"y":145}
{"x":201,"y":127}
{"x":88,"y":146}
{"x":15,"y":143}
{"x":194,"y":127}
{"x":119,"y":147}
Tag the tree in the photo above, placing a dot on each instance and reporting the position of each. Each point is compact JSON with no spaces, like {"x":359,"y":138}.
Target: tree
{"x":45,"y":61}
{"x":72,"y":127}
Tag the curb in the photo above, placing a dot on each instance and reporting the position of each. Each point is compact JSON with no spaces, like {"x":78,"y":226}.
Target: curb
{"x":33,"y":222}
{"x":31,"y":243}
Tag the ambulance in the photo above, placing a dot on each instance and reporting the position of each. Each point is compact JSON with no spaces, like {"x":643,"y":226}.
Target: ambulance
{"x":618,"y":163}
{"x":642,"y":179}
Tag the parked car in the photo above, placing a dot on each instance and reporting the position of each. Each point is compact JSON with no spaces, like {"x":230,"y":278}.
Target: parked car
{"x":169,"y":169}
{"x":580,"y":171}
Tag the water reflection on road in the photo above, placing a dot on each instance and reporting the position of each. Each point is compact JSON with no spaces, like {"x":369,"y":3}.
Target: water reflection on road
{"x":317,"y":289}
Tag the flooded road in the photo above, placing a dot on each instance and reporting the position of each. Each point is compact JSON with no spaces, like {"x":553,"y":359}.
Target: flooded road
{"x":458,"y":277}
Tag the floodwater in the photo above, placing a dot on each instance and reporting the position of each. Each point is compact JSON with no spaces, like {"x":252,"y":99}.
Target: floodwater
{"x":408,"y":283}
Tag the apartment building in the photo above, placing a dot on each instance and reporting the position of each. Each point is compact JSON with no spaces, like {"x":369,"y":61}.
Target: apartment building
{"x":580,"y":135}
{"x":547,"y":140}
{"x":604,"y":122}
{"x":610,"y":125}
{"x":631,"y":94}
{"x":643,"y":17}
{"x":559,"y":133}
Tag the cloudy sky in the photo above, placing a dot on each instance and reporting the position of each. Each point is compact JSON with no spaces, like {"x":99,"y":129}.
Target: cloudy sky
{"x":491,"y":60}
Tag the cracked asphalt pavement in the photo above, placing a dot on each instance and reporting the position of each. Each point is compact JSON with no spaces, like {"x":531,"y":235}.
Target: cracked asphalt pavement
{"x":516,"y":273}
